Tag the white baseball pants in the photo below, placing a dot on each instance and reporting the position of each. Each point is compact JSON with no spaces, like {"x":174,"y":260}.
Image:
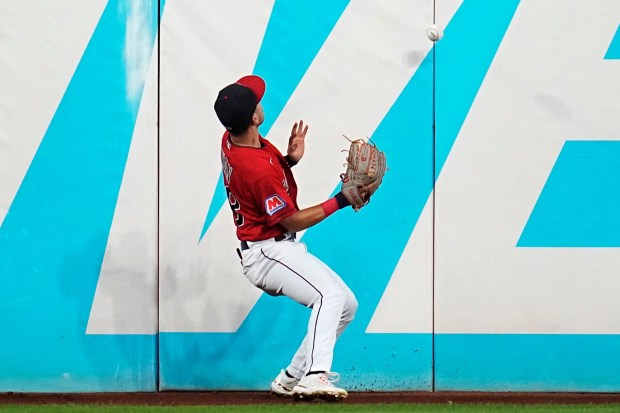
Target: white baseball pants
{"x":286,"y":268}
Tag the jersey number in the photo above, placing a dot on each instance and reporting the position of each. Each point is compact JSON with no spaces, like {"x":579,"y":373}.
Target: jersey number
{"x":235,"y":206}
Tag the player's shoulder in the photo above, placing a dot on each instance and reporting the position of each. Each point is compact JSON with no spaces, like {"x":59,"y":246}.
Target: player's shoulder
{"x":268,"y":145}
{"x":256,"y":165}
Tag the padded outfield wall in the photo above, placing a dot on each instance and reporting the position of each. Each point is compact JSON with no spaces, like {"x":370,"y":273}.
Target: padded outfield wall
{"x":488,"y":260}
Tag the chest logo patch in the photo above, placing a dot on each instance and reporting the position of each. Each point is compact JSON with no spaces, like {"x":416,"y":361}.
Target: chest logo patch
{"x":273,"y":204}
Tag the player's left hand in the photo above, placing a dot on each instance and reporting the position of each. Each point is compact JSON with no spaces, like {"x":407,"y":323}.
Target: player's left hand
{"x":366,"y":166}
{"x":296,"y":143}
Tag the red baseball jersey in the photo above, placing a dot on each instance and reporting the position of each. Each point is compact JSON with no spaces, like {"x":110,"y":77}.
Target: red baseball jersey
{"x":260,"y":187}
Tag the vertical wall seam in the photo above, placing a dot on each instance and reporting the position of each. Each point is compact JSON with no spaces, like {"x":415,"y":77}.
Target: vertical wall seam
{"x":433,"y":240}
{"x":157,"y":344}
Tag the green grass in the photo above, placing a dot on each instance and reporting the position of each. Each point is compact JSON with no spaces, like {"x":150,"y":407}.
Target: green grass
{"x":318,"y":407}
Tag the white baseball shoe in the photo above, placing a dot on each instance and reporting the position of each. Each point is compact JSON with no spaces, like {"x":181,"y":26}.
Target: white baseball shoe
{"x":319,"y":386}
{"x":283,"y":385}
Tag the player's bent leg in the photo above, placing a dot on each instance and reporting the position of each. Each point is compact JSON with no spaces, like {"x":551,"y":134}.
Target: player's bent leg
{"x":305,"y":279}
{"x":350,"y":306}
{"x":291,"y":271}
{"x":297,"y":367}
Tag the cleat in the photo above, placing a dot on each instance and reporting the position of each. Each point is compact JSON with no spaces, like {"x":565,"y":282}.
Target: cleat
{"x":319,"y":386}
{"x":283,"y":385}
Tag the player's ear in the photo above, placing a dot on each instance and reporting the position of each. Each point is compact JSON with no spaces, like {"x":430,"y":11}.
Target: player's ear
{"x":256,"y":117}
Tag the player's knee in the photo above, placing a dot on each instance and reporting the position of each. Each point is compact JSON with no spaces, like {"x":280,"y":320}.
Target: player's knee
{"x":350,"y":306}
{"x":345,"y":301}
{"x":337,"y":296}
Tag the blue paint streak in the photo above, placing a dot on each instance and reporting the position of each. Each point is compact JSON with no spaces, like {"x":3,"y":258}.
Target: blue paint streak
{"x":614,"y":48}
{"x":361,"y":356}
{"x":578,"y":207}
{"x":296,"y":31}
{"x":54,"y":236}
{"x":527,"y":362}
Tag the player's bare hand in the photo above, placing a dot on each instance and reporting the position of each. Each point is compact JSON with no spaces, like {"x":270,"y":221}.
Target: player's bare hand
{"x":296,"y":143}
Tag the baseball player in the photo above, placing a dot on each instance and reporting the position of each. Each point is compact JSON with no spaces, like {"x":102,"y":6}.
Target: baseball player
{"x":262,"y":193}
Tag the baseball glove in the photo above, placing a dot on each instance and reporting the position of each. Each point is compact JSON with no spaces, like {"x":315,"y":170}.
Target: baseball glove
{"x":366,"y":166}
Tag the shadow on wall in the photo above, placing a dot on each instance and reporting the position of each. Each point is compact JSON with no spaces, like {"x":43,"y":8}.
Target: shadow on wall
{"x":107,"y":359}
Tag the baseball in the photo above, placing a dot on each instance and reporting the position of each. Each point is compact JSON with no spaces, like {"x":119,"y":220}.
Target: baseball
{"x":434,"y":32}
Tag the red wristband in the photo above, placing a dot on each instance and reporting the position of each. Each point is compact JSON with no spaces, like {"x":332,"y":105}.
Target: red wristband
{"x":330,"y":206}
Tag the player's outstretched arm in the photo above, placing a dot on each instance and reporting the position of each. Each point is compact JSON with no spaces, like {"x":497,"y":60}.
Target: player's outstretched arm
{"x":308,"y":217}
{"x":305,"y":218}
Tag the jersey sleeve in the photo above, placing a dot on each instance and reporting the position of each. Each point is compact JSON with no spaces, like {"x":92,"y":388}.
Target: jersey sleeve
{"x":274,"y":199}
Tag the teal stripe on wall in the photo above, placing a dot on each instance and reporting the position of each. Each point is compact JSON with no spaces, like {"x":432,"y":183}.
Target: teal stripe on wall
{"x":527,"y":362}
{"x":463,"y":362}
{"x":246,"y":360}
{"x":613,"y":52}
{"x":463,"y":59}
{"x":580,"y":202}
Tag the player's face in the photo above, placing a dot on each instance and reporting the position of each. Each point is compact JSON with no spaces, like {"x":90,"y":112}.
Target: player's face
{"x":259,"y":115}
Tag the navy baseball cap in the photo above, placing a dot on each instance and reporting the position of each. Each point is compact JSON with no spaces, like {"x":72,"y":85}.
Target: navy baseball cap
{"x":236,"y":103}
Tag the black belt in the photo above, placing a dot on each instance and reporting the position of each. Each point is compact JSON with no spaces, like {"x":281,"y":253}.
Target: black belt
{"x":283,"y":237}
